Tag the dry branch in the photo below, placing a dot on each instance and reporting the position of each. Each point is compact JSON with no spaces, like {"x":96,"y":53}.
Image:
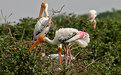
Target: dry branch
{"x":7,"y":24}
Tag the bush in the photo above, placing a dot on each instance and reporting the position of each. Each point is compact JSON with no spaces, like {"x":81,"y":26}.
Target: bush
{"x":102,"y":56}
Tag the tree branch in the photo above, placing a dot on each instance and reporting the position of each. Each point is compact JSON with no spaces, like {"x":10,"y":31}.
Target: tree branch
{"x":7,"y":24}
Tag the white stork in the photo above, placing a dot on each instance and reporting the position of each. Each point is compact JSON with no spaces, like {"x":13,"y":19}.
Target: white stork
{"x":66,"y":36}
{"x":42,"y":22}
{"x":92,"y":15}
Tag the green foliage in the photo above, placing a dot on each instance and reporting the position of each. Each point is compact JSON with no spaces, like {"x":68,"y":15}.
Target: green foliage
{"x":101,"y":57}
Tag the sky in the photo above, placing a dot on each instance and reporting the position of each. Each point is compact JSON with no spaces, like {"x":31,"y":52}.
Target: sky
{"x":31,"y":8}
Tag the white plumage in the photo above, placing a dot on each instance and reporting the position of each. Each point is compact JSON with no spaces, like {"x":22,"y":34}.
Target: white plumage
{"x":42,"y":22}
{"x":56,"y":56}
{"x":65,"y":36}
{"x":92,"y":14}
{"x":40,"y":25}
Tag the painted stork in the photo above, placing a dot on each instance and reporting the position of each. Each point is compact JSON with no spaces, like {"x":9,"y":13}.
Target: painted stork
{"x":42,"y":22}
{"x":66,"y":36}
{"x":92,"y":15}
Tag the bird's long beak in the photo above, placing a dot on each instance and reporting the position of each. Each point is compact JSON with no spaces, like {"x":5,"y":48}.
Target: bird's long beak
{"x":41,"y":10}
{"x":36,"y":43}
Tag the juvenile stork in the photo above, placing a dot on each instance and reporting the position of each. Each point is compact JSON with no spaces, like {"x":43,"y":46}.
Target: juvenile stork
{"x":66,"y":36}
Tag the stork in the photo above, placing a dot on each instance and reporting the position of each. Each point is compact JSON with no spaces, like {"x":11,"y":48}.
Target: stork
{"x":42,"y":22}
{"x":66,"y":36}
{"x":92,"y":15}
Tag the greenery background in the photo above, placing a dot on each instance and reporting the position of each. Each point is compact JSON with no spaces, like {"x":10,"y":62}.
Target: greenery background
{"x":101,"y":57}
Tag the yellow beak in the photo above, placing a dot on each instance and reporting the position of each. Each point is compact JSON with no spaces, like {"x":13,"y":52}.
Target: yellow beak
{"x":41,"y":11}
{"x":36,"y":43}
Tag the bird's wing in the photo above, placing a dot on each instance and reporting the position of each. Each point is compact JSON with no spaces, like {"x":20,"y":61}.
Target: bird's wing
{"x":81,"y":43}
{"x":40,"y":25}
{"x":73,"y":38}
{"x":64,"y":39}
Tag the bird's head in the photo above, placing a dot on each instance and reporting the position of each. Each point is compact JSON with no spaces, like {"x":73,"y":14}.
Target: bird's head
{"x":83,"y":34}
{"x":92,"y":14}
{"x":40,"y":40}
{"x":44,"y":6}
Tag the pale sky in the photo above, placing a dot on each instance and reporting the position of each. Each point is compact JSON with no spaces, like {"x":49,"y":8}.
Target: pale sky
{"x":31,"y":8}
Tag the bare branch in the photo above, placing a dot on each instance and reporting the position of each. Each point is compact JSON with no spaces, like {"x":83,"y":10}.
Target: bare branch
{"x":7,"y":24}
{"x":93,"y":61}
{"x":57,"y":11}
{"x":77,"y":54}
{"x":2,"y":14}
{"x":4,"y":17}
{"x":10,"y":15}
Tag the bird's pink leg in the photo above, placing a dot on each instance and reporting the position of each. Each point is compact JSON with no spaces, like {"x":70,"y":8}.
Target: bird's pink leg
{"x":66,"y":55}
{"x":69,"y":54}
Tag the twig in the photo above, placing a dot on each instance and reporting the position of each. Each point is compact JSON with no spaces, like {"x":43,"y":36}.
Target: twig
{"x":75,"y":48}
{"x":58,"y":11}
{"x":23,"y":34}
{"x":77,"y":54}
{"x":93,"y":61}
{"x":7,"y":24}
{"x":24,"y":42}
{"x":10,"y":15}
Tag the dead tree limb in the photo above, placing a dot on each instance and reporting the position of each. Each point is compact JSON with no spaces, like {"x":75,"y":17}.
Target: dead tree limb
{"x":6,"y":24}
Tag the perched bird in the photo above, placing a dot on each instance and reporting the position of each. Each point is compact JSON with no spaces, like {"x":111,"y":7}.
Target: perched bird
{"x":92,"y":15}
{"x":42,"y":22}
{"x":65,"y":36}
{"x":40,"y":27}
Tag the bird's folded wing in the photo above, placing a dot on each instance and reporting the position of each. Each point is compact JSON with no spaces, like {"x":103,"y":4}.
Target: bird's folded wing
{"x":73,"y":38}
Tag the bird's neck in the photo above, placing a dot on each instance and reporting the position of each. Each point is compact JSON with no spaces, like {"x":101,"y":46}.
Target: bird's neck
{"x":49,"y":41}
{"x":46,"y":13}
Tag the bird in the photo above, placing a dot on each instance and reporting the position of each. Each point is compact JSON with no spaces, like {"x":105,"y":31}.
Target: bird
{"x":91,"y":16}
{"x":65,"y":36}
{"x":52,"y":56}
{"x":40,"y":27}
{"x":42,"y":22}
